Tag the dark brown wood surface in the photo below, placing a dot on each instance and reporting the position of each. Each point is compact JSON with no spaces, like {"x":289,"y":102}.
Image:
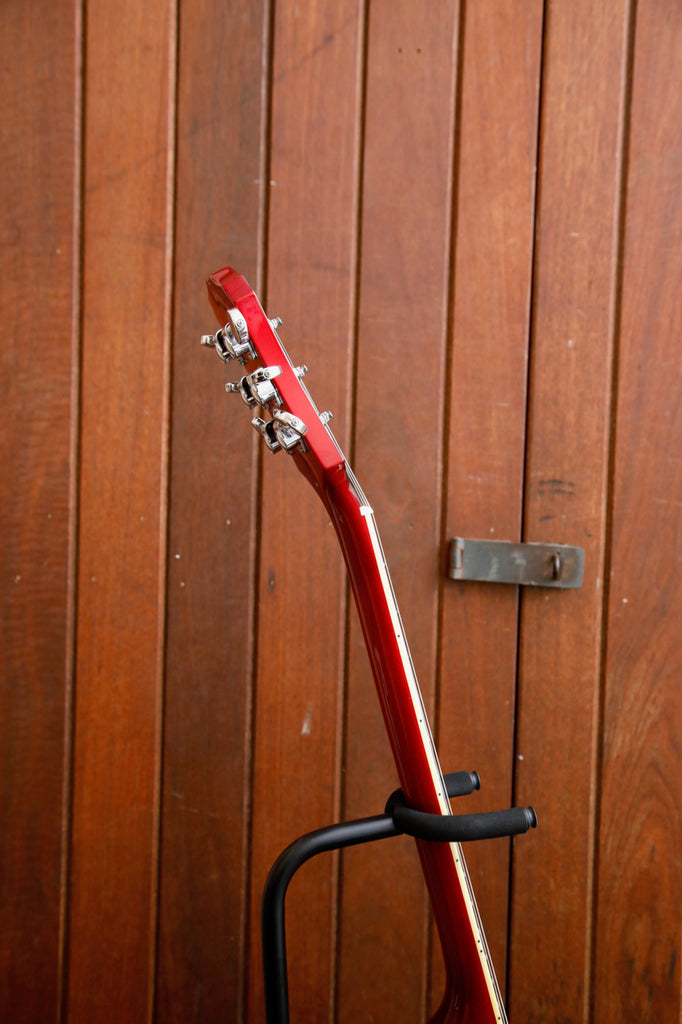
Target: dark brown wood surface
{"x":568,"y":437}
{"x":38,"y":383}
{"x":317,"y":52}
{"x":402,"y":325}
{"x":493,"y":252}
{"x":127,"y":234}
{"x":468,"y":216}
{"x":203,"y":905}
{"x":639,"y":886}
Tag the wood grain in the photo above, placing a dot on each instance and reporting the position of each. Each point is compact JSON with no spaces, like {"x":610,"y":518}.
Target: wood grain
{"x":38,"y":305}
{"x":203,"y":908}
{"x":637,"y":964}
{"x":370,"y":166}
{"x":122,"y":513}
{"x":495,"y":207}
{"x":403,"y":284}
{"x":574,"y":295}
{"x":301,"y":612}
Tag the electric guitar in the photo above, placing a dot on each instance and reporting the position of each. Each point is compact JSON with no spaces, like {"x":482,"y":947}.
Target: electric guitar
{"x":289,"y":421}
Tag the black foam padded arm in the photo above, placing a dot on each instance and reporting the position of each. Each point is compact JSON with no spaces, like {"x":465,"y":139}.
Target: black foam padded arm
{"x":462,"y":828}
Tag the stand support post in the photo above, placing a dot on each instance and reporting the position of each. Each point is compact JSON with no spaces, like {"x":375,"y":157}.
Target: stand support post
{"x":397,"y":820}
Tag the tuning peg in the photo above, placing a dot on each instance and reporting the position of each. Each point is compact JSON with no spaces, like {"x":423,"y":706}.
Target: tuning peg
{"x":325,"y":417}
{"x":261,"y":386}
{"x":257,"y":388}
{"x":236,"y":326}
{"x":267,"y":429}
{"x":300,"y":371}
{"x":232,"y":341}
{"x":275,"y":322}
{"x":289,"y":430}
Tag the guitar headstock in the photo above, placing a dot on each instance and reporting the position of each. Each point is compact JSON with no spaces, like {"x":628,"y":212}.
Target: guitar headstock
{"x":288,"y":419}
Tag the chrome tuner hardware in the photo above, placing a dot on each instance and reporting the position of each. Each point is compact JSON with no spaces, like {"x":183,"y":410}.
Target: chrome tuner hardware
{"x":325,"y":417}
{"x":284,"y":430}
{"x":232,"y":341}
{"x":257,"y":388}
{"x":267,"y":429}
{"x":275,"y":322}
{"x":289,"y":430}
{"x":300,"y":371}
{"x":239,"y":343}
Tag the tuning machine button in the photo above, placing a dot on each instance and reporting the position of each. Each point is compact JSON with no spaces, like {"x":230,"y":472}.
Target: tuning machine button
{"x":220,"y":343}
{"x":289,"y":430}
{"x":237,"y":331}
{"x":284,"y":430}
{"x":257,"y":388}
{"x":267,"y":429}
{"x":232,"y":341}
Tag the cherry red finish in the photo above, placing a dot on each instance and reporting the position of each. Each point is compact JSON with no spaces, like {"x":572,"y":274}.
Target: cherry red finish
{"x":471,"y":995}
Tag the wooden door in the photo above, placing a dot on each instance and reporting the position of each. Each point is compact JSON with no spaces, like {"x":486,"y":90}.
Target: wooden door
{"x":468,"y":216}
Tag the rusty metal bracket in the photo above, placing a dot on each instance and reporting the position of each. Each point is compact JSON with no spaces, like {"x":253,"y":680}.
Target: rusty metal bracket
{"x":503,"y":561}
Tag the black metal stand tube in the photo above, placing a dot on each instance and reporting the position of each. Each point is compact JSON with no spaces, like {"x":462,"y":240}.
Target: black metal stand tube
{"x":397,"y":820}
{"x":273,"y":930}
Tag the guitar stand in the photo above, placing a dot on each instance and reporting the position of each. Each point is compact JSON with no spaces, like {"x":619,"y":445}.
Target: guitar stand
{"x":397,"y":819}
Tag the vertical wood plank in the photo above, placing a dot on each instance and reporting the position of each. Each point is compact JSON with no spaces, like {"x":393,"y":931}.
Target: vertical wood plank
{"x":566,"y":479}
{"x":208,"y":936}
{"x":637,"y":963}
{"x":402,"y":327}
{"x":39,"y":50}
{"x":122,"y":512}
{"x":301,"y":615}
{"x":501,"y":49}
{"x":207,"y":729}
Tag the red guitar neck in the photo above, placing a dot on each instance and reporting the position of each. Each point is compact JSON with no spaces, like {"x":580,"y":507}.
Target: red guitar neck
{"x":472,"y":995}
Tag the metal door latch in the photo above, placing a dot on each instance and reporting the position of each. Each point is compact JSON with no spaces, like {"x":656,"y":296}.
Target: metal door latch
{"x":503,"y":561}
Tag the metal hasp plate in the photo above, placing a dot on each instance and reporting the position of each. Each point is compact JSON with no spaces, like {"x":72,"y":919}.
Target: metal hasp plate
{"x":502,"y":561}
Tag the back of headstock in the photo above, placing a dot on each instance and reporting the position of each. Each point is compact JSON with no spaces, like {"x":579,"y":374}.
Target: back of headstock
{"x":289,"y":420}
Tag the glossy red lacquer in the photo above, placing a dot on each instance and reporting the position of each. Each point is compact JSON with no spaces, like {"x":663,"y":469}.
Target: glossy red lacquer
{"x":471,"y":995}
